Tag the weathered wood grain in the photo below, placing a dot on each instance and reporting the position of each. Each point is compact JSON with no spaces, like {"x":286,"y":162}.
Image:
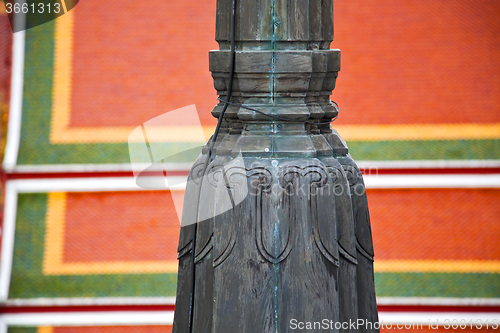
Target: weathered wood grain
{"x":284,"y":230}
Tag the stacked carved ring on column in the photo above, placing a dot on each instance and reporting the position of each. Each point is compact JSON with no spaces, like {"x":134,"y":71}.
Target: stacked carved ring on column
{"x":283,"y":230}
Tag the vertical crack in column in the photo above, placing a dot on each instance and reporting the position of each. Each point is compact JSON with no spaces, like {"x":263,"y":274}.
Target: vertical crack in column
{"x":273,"y":47}
{"x":276,"y":268}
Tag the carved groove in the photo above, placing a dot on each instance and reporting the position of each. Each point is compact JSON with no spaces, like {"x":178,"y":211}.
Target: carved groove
{"x":264,"y":179}
{"x":314,"y":209}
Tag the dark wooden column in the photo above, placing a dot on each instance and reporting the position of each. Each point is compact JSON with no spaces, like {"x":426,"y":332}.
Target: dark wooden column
{"x":295,"y":242}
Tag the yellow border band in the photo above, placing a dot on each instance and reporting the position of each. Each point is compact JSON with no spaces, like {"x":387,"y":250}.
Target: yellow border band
{"x":419,"y":132}
{"x":53,"y":263}
{"x":437,"y":266}
{"x":61,"y":90}
{"x":65,"y":9}
{"x":61,"y":133}
{"x":45,"y":329}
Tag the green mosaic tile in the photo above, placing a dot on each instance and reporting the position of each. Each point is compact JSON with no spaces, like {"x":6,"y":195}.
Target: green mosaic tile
{"x":22,"y":330}
{"x":27,"y":280}
{"x":425,"y":150}
{"x":35,"y":148}
{"x":437,"y":285}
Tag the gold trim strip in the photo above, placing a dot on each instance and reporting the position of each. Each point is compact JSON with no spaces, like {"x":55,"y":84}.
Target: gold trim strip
{"x":419,"y":132}
{"x":54,"y":233}
{"x":121,"y":134}
{"x":61,"y":133}
{"x":54,"y":248}
{"x":61,"y":89}
{"x":53,"y":263}
{"x":437,"y":266}
{"x":45,"y":329}
{"x":63,"y":2}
